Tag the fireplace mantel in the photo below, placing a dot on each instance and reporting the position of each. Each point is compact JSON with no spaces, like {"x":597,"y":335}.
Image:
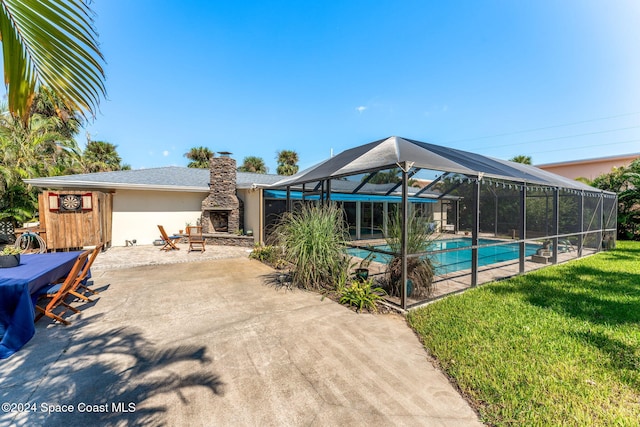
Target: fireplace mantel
{"x":216,"y":208}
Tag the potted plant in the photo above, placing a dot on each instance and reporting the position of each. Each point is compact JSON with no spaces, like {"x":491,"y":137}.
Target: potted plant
{"x":420,"y":269}
{"x":10,"y":257}
{"x":362,"y":272}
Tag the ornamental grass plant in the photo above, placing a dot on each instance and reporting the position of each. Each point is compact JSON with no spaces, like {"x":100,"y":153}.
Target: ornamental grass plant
{"x":312,"y":241}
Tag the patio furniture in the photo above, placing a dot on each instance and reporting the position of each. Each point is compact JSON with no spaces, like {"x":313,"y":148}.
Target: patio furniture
{"x":56,"y":293}
{"x":17,"y":285}
{"x":169,"y":241}
{"x":80,"y":287}
{"x":196,"y":241}
{"x":86,"y":273}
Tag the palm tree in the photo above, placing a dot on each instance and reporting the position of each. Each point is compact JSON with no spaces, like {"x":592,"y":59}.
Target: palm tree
{"x":525,"y":160}
{"x":54,"y":44}
{"x":287,"y":162}
{"x":32,"y":149}
{"x":625,"y":181}
{"x":101,"y":156}
{"x":47,"y":103}
{"x":199,"y":157}
{"x":29,"y":150}
{"x":389,"y":176}
{"x":253,"y":164}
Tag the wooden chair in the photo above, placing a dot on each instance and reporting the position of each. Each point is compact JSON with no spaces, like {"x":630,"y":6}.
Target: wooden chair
{"x":169,"y":244}
{"x":56,"y":293}
{"x":81,"y":287}
{"x":196,"y":241}
{"x":82,"y":283}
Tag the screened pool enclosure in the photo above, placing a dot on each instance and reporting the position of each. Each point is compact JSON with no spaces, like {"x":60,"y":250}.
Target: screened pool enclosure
{"x":486,"y":218}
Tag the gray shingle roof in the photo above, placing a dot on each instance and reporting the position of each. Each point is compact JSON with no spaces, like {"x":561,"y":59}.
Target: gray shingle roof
{"x":168,"y":178}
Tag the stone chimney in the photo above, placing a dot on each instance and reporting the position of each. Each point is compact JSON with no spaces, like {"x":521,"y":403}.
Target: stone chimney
{"x":221,"y":208}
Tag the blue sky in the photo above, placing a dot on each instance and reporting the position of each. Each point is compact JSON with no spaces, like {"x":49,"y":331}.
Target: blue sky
{"x":556,"y":80}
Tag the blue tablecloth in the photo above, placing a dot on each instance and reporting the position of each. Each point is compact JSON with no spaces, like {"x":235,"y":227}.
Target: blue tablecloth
{"x":17,"y":285}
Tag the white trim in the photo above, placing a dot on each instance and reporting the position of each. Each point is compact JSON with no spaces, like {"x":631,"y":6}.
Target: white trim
{"x":56,"y":183}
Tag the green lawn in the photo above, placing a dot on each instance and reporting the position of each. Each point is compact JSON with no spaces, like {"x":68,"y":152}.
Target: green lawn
{"x":559,"y":346}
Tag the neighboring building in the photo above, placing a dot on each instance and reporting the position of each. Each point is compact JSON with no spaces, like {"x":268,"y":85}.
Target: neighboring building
{"x":589,"y":168}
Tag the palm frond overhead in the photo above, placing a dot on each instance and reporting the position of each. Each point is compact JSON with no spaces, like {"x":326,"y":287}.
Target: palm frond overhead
{"x":51,"y":43}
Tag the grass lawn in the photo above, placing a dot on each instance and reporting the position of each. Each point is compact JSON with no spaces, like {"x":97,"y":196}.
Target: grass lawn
{"x":558,"y":346}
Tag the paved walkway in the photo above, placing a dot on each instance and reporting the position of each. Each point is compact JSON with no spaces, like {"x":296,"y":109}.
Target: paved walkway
{"x":209,"y":343}
{"x":136,"y":256}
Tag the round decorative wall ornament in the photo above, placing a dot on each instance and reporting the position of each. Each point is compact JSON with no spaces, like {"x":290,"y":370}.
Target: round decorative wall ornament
{"x":70,"y":202}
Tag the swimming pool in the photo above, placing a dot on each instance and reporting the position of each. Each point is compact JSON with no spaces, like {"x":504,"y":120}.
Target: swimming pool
{"x":449,"y":262}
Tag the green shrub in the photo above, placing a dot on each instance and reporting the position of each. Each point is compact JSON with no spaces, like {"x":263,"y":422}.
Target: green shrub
{"x":267,"y":254}
{"x":361,"y":294}
{"x":313,"y":241}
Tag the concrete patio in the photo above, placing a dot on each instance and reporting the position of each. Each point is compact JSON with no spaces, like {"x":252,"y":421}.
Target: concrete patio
{"x":207,"y":342}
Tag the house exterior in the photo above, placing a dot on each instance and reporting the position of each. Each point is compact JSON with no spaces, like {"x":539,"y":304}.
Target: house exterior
{"x":225,"y":202}
{"x":168,"y":196}
{"x":589,"y":168}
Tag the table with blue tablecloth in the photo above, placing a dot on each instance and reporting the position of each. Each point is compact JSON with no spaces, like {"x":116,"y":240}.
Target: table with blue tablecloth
{"x":17,"y":286}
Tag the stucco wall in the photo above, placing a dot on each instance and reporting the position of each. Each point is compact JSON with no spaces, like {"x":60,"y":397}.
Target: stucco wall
{"x":136,"y":214}
{"x":589,"y":169}
{"x":251,"y":200}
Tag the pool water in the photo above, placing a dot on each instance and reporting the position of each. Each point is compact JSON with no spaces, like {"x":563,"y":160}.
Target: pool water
{"x":449,"y":262}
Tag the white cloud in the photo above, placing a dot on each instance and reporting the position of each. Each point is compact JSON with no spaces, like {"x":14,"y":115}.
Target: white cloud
{"x":361,"y":108}
{"x":165,"y":153}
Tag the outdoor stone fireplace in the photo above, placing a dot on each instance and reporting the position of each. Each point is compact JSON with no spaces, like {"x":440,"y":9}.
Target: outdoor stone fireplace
{"x":221,"y":208}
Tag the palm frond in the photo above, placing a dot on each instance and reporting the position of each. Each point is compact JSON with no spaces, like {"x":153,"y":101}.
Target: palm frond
{"x":51,"y":43}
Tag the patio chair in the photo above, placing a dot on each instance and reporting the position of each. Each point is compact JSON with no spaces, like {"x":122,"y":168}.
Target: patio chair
{"x":82,"y":284}
{"x":169,"y":244}
{"x":81,"y":287}
{"x":196,"y":241}
{"x":56,"y":293}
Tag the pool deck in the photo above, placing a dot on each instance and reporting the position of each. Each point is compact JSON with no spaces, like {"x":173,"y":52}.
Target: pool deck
{"x":201,"y":339}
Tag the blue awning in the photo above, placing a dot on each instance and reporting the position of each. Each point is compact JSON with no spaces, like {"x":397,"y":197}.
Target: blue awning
{"x":344,"y":197}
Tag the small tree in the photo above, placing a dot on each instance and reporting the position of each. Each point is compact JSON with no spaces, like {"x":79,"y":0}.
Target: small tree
{"x":102,"y":156}
{"x":200,"y":157}
{"x":525,"y":160}
{"x":287,"y":162}
{"x":253,"y":164}
{"x":625,"y":181}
